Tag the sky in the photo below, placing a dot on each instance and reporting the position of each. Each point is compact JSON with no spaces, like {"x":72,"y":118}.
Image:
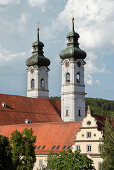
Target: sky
{"x":94,"y":21}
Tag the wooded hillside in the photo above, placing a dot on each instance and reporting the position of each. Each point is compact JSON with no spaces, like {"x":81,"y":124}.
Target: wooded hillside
{"x":98,"y":106}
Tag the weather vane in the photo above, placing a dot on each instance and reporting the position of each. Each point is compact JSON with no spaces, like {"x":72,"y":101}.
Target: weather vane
{"x":38,"y":25}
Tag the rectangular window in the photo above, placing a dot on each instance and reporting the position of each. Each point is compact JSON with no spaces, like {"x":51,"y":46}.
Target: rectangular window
{"x":99,"y":166}
{"x":88,"y":134}
{"x":88,"y":148}
{"x":40,"y":163}
{"x":78,"y":147}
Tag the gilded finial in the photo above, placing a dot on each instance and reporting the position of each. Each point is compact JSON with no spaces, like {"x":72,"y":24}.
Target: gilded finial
{"x":72,"y":18}
{"x":72,"y":12}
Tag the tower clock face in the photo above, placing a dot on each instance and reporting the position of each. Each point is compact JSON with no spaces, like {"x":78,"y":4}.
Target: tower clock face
{"x":66,"y":63}
{"x":79,"y":64}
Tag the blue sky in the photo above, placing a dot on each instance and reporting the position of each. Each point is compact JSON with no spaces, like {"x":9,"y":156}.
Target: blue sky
{"x":94,"y":21}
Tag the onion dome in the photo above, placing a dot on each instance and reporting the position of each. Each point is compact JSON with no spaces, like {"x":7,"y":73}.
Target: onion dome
{"x":72,"y":50}
{"x":37,"y":57}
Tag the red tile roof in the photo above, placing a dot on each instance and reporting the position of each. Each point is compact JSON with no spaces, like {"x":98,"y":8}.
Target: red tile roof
{"x":48,"y":134}
{"x":101,"y":120}
{"x":19,"y":108}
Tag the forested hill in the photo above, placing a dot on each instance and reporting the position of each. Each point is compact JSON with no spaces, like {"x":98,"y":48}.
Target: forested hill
{"x":98,"y":106}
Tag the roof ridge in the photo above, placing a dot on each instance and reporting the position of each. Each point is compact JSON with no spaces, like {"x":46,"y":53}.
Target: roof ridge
{"x":39,"y":123}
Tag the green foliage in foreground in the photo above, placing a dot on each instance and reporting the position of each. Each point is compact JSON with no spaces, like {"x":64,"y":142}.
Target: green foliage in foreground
{"x":23,"y":154}
{"x":107,"y":148}
{"x":98,"y":106}
{"x":18,"y":153}
{"x":5,"y":154}
{"x":67,"y":160}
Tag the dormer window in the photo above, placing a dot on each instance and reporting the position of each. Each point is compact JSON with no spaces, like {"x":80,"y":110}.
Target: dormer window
{"x":4,"y":104}
{"x":67,"y":78}
{"x":42,"y":84}
{"x":32,"y":84}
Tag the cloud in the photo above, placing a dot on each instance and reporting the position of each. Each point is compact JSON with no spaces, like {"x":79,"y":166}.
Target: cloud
{"x":92,"y":67}
{"x":7,"y":2}
{"x":40,"y":3}
{"x":6,"y":56}
{"x":94,"y":21}
{"x":91,"y":19}
{"x":22,"y":22}
{"x":89,"y":80}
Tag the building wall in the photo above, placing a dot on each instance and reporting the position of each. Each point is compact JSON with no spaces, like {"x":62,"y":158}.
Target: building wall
{"x":93,"y":141}
{"x":37,"y":74}
{"x":72,"y":92}
{"x":41,"y":161}
{"x":89,"y":124}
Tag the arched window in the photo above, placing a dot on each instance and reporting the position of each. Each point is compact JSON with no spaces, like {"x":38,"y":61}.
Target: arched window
{"x":32,"y":84}
{"x":42,"y":84}
{"x":67,"y":112}
{"x":79,"y":112}
{"x":67,"y":77}
{"x":78,"y":77}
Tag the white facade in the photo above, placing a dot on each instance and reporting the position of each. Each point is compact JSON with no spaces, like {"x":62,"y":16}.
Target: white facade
{"x":37,"y":82}
{"x":72,"y":90}
{"x":88,"y":140}
{"x":41,"y":162}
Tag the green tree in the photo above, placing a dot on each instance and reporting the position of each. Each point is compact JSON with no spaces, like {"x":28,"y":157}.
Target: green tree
{"x":5,"y":154}
{"x":23,"y":154}
{"x":68,"y":160}
{"x":107,"y":147}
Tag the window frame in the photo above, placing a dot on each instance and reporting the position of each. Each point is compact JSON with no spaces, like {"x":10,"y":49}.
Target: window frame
{"x":79,"y":112}
{"x":78,"y":78}
{"x":42,"y":84}
{"x":89,"y":148}
{"x":40,"y":163}
{"x":67,"y":110}
{"x":67,"y":77}
{"x":32,"y":84}
{"x":78,"y":148}
{"x":99,"y":165}
{"x":88,"y":134}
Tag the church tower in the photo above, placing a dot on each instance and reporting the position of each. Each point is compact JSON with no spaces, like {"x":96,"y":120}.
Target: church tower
{"x":73,"y":88}
{"x":37,"y":80}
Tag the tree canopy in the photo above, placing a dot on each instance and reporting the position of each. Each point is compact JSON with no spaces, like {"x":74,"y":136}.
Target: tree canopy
{"x":107,"y":147}
{"x":98,"y":106}
{"x":18,"y":153}
{"x":67,"y":160}
{"x":5,"y":154}
{"x":23,"y":154}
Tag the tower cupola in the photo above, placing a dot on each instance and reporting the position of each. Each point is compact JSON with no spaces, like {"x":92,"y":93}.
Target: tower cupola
{"x":37,"y":79}
{"x":72,"y":50}
{"x":38,"y":57}
{"x":72,"y":87}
